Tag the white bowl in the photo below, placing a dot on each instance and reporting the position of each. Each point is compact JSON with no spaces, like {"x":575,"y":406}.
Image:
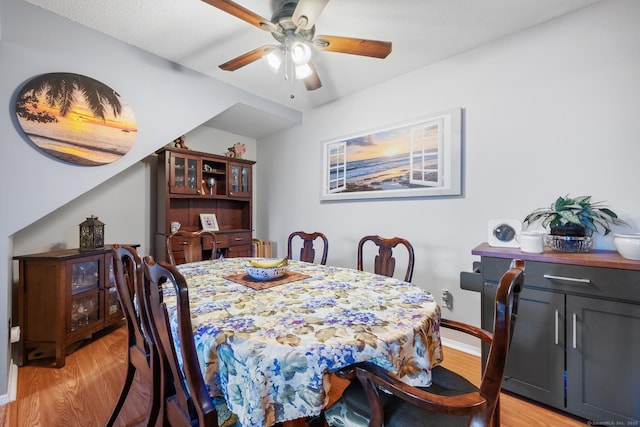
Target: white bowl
{"x":264,"y":274}
{"x":628,"y":245}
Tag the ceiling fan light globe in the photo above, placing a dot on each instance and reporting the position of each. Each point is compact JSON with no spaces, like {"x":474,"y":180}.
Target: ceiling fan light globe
{"x":303,"y":71}
{"x":273,"y":58}
{"x":300,"y":53}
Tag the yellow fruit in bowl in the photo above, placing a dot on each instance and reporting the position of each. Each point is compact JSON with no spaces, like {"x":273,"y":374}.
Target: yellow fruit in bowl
{"x":269,"y":263}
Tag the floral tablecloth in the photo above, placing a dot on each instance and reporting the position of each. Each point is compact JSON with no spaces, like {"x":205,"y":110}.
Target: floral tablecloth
{"x":270,"y":352}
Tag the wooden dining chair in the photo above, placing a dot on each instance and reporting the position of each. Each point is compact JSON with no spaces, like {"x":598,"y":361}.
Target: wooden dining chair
{"x":185,"y":396}
{"x":189,"y":246}
{"x":142,"y":356}
{"x":307,"y":251}
{"x":451,"y":400}
{"x":384,"y":263}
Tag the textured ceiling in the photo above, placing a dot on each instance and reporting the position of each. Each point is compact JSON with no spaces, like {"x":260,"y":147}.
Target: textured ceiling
{"x":198,"y":36}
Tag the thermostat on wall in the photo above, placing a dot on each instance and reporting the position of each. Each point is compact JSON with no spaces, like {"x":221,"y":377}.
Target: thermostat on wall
{"x":504,"y":232}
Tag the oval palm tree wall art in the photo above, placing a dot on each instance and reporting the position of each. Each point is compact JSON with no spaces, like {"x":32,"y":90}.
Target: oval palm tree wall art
{"x":76,"y":118}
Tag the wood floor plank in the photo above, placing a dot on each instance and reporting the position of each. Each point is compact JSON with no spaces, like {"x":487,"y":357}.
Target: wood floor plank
{"x":83,"y":393}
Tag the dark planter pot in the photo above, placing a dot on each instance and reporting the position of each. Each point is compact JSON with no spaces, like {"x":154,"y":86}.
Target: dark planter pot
{"x":569,"y":230}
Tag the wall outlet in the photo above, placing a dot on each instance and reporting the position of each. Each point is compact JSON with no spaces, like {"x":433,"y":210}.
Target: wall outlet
{"x":447,"y":299}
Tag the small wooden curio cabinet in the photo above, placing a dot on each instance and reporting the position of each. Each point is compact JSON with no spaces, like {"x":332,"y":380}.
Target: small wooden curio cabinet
{"x":64,"y":297}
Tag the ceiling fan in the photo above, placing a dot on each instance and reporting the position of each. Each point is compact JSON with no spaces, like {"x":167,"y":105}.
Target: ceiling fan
{"x":292,"y":25}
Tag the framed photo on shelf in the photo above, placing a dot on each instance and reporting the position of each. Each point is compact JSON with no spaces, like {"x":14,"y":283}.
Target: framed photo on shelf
{"x":209,"y":222}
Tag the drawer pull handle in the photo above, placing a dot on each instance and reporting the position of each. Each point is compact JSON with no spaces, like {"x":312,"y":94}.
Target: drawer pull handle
{"x":556,"y":327}
{"x":567,"y":279}
{"x":238,"y":239}
{"x":574,"y":330}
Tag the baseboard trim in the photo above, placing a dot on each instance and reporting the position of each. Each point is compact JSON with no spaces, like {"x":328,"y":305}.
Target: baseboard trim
{"x":12,"y":385}
{"x":460,"y":346}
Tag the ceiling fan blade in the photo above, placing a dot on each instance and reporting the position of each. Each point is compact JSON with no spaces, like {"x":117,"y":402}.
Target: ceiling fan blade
{"x":373,"y":48}
{"x":243,"y":13}
{"x":246,"y":58}
{"x":306,"y":13}
{"x":312,"y":82}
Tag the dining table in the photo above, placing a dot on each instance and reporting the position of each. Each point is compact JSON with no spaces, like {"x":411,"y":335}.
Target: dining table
{"x":269,"y":347}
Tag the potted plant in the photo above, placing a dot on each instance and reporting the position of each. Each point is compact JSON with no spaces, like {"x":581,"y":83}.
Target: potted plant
{"x":576,"y":219}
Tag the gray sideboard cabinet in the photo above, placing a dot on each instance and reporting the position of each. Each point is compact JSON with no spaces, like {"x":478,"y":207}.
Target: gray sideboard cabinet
{"x":576,"y":345}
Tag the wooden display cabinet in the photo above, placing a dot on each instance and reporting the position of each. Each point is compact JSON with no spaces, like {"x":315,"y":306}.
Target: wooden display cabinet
{"x":191,"y":183}
{"x":63,"y":297}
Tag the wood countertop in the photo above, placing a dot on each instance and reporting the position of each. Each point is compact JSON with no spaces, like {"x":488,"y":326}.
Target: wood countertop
{"x":593,"y":258}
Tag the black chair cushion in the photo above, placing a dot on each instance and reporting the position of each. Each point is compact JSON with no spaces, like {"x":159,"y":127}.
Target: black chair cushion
{"x":352,"y":409}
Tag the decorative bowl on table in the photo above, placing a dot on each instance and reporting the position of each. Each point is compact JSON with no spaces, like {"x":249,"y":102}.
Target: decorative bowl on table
{"x":628,"y":245}
{"x":266,"y":273}
{"x":569,"y":243}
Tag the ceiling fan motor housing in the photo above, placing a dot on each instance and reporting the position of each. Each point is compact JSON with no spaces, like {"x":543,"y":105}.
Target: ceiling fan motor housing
{"x":288,"y":30}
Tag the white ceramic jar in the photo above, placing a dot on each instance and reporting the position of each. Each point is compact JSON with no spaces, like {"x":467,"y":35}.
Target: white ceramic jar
{"x":532,"y":241}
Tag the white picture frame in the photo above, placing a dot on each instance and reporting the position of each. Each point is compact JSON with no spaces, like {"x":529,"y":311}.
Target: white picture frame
{"x":209,"y":222}
{"x":416,"y":158}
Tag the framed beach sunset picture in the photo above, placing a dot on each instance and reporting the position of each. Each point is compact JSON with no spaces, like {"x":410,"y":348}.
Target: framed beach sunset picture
{"x":75,"y":118}
{"x":417,"y":158}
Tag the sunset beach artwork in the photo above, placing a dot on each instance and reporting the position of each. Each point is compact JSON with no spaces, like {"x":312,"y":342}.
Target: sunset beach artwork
{"x":417,"y":158}
{"x":76,"y":119}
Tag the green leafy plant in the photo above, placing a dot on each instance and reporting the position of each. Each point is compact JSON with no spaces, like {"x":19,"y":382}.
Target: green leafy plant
{"x":576,"y":211}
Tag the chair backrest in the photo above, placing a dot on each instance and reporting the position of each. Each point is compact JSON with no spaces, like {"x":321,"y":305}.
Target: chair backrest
{"x":185,"y":395}
{"x":307,"y":251}
{"x":127,"y":271}
{"x":504,"y":322}
{"x":188,"y":246}
{"x":142,"y":354}
{"x":481,"y":406}
{"x":384,"y":262}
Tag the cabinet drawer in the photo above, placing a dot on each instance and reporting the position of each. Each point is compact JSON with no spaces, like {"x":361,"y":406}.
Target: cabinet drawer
{"x":222,"y":241}
{"x":597,"y":282}
{"x":239,"y":238}
{"x":591,"y":281}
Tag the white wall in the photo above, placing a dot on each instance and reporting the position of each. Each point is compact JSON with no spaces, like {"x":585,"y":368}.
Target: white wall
{"x":550,"y":111}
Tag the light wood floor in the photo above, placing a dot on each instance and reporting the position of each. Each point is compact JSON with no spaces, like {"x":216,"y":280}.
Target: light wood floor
{"x":83,"y":392}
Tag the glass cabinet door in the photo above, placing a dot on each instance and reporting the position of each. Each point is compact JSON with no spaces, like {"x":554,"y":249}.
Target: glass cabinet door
{"x":85,"y":310}
{"x":112,"y":299}
{"x":85,"y":275}
{"x":240,"y":185}
{"x":86,"y":278}
{"x":184,"y":175}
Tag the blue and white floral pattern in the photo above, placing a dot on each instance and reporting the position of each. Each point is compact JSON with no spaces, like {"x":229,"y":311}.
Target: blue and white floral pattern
{"x":270,"y":352}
